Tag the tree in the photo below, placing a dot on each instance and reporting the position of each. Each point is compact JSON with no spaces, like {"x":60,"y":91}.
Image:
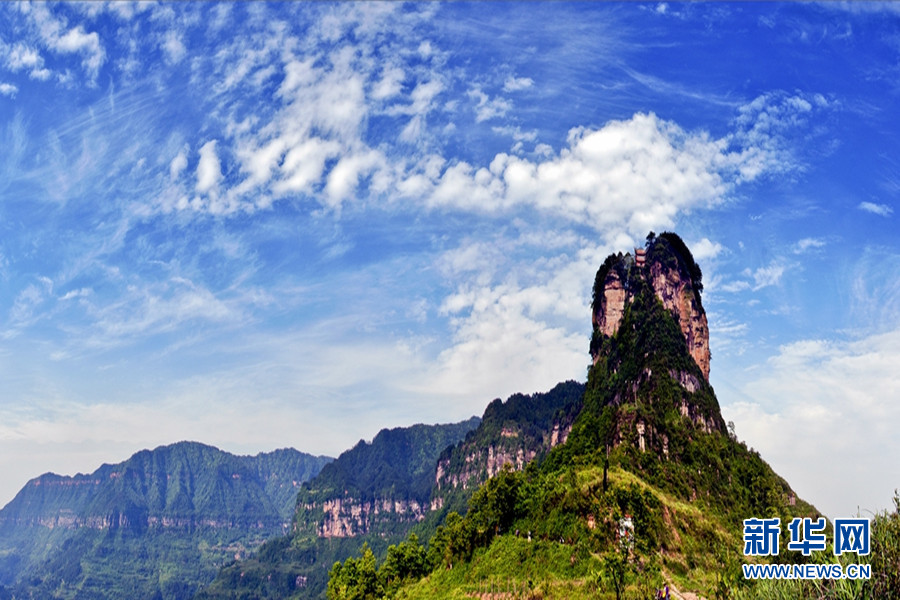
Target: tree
{"x":616,"y":569}
{"x":404,"y":562}
{"x":355,"y":579}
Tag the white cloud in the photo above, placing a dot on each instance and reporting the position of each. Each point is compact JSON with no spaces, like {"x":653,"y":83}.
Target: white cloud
{"x":488,"y":108}
{"x":763,"y":127}
{"x":807,"y":244}
{"x":882,"y":210}
{"x":54,"y":34}
{"x":21,"y":56}
{"x":390,"y":85}
{"x":8,"y":89}
{"x":78,"y":41}
{"x":768,"y":276}
{"x":178,"y":165}
{"x":209,"y":169}
{"x":515,"y":84}
{"x":628,"y":176}
{"x":304,"y":165}
{"x":705,"y":249}
{"x":345,"y":176}
{"x":79,"y":293}
{"x":518,"y":322}
{"x":734,"y":286}
{"x":173,"y":48}
{"x":822,"y":414}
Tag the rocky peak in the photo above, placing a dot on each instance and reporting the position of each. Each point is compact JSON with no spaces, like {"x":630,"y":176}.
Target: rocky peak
{"x":668,"y":267}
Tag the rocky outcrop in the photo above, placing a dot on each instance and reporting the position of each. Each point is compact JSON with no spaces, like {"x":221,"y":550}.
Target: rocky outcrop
{"x":608,"y":314}
{"x":679,"y":297}
{"x":514,"y":433}
{"x":641,"y":306}
{"x":669,"y":275}
{"x":349,"y":517}
{"x":481,"y":463}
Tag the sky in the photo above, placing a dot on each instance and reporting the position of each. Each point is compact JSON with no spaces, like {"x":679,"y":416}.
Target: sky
{"x":293,"y":224}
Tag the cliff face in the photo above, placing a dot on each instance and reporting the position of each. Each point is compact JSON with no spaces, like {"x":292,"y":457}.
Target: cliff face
{"x":350,"y":517}
{"x":165,"y":509}
{"x":650,"y":346}
{"x":512,"y":433}
{"x":378,"y":487}
{"x":669,"y":274}
{"x":679,"y":297}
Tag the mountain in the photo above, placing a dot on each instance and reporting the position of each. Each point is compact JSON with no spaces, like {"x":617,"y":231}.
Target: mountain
{"x":375,"y":485}
{"x":155,"y":526}
{"x":649,"y":486}
{"x":375,"y":492}
{"x":514,"y":433}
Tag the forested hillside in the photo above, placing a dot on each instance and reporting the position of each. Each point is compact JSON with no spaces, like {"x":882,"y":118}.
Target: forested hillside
{"x":376,"y":492}
{"x":155,"y":526}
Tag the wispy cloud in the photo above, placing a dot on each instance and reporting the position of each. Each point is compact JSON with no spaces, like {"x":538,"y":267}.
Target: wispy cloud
{"x":767,"y":276}
{"x":808,"y":245}
{"x":882,"y":210}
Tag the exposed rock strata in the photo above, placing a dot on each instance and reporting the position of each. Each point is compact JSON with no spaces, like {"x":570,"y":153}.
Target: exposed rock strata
{"x":677,"y":294}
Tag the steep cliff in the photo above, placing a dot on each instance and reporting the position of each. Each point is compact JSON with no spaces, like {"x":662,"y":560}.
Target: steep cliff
{"x":380,"y":485}
{"x":514,"y":433}
{"x":666,"y":265}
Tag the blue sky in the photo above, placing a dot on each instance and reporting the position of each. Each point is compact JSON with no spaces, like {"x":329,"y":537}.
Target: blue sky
{"x":268,"y":225}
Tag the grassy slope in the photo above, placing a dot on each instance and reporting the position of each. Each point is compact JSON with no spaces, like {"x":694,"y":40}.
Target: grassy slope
{"x":693,"y":543}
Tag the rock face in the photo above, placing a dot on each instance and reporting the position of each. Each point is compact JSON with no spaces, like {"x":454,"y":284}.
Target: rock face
{"x":349,"y":517}
{"x":670,"y":275}
{"x":513,"y":433}
{"x":378,"y":487}
{"x":679,"y":297}
{"x":650,"y":346}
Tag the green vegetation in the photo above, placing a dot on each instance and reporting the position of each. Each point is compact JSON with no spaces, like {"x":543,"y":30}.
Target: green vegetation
{"x":670,"y":249}
{"x":158,"y":525}
{"x":521,"y":426}
{"x":398,"y":464}
{"x":360,"y":579}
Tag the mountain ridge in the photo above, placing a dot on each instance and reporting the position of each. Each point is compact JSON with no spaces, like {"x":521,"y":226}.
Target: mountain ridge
{"x":183,"y":507}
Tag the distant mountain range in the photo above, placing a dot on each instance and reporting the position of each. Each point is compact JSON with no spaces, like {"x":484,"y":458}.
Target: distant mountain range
{"x":154,"y":526}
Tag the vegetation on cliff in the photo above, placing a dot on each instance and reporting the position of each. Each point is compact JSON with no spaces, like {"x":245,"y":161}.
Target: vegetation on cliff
{"x":155,"y":526}
{"x":521,"y":429}
{"x":397,"y":466}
